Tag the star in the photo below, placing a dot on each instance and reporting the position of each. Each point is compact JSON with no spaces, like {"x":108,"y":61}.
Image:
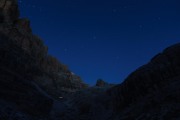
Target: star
{"x":40,"y":9}
{"x":94,"y":37}
{"x":125,"y":7}
{"x":82,"y":46}
{"x":159,"y":18}
{"x":65,"y":50}
{"x":140,"y":26}
{"x":117,"y":57}
{"x":114,"y":10}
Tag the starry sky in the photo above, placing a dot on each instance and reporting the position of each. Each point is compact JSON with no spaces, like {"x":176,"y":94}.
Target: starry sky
{"x":105,"y":39}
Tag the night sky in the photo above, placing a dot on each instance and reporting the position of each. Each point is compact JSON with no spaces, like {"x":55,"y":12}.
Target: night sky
{"x":105,"y":39}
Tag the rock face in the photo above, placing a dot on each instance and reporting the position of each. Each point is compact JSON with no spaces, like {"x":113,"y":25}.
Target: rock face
{"x":17,"y":70}
{"x":26,"y":66}
{"x":53,"y":76}
{"x":152,"y":91}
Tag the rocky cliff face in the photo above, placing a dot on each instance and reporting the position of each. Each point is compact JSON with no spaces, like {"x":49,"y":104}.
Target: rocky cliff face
{"x":55,"y":76}
{"x":25,"y":62}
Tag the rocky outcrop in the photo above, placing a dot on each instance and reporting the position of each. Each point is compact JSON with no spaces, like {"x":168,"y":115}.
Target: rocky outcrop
{"x":152,"y":87}
{"x":24,"y":25}
{"x":101,"y":83}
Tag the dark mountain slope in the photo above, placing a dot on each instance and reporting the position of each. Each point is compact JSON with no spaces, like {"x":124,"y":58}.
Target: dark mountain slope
{"x":151,"y":91}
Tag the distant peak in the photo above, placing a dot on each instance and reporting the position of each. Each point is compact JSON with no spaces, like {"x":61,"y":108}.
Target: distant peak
{"x":101,"y":83}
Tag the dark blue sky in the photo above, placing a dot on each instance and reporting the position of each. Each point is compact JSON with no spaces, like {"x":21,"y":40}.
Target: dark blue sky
{"x":105,"y":39}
